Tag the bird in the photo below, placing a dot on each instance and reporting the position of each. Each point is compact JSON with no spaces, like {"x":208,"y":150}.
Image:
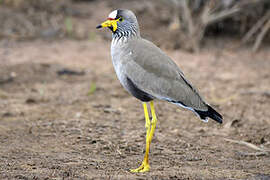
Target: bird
{"x":148,"y":74}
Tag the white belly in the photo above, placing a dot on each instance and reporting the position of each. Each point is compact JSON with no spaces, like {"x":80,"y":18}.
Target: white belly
{"x":118,"y":63}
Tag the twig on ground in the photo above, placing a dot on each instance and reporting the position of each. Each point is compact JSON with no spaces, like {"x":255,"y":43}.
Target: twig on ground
{"x":252,"y":146}
{"x":262,"y":153}
{"x":264,"y":93}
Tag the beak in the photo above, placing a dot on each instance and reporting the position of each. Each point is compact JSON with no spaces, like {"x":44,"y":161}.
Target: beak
{"x":109,"y":23}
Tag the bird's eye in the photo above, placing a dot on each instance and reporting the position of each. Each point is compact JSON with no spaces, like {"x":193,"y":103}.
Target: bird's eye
{"x":121,"y":19}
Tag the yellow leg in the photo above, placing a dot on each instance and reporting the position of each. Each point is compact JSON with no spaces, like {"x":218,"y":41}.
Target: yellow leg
{"x":149,"y":135}
{"x":154,"y":121}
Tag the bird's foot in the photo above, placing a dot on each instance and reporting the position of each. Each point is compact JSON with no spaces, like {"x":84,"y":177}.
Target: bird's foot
{"x":143,"y":168}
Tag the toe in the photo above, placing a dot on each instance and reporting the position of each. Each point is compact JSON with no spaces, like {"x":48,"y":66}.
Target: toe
{"x":142,"y":168}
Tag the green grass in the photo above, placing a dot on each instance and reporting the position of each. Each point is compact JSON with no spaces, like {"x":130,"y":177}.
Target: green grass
{"x":92,"y":89}
{"x":69,"y":26}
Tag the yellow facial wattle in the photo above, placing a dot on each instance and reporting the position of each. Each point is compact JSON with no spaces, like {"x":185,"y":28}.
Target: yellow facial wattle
{"x":109,"y":23}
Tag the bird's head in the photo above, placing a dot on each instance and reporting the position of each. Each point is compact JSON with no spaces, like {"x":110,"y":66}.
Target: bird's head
{"x":121,"y":20}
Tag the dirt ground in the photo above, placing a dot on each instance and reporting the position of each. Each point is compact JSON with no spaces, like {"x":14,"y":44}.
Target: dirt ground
{"x":64,"y":115}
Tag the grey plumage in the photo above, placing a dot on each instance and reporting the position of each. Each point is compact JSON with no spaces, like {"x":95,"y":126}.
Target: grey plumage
{"x":148,"y":73}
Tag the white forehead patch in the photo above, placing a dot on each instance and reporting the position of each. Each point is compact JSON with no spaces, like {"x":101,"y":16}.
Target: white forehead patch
{"x":113,"y":14}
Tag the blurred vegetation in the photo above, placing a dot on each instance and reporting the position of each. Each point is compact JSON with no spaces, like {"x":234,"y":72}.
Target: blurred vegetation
{"x":191,"y":21}
{"x":249,"y":19}
{"x":28,"y":19}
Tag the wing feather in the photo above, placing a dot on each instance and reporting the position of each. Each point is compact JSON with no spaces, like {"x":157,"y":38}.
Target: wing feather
{"x":158,"y":75}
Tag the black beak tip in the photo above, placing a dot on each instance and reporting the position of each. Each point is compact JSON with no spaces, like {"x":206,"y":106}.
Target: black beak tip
{"x":99,"y":26}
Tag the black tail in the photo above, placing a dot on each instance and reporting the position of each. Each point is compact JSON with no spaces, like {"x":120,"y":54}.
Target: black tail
{"x":213,"y":114}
